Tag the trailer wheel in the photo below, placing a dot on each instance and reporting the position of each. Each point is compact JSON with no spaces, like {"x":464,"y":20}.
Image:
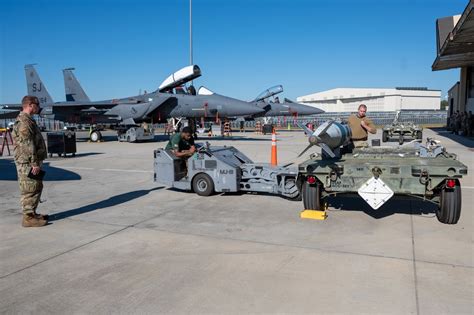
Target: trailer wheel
{"x":449,"y":209}
{"x":400,"y":139}
{"x":384,"y":136}
{"x":95,"y":136}
{"x":312,"y":196}
{"x":203,"y":185}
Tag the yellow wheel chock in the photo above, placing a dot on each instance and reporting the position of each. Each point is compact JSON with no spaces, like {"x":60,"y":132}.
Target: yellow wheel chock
{"x":313,"y":214}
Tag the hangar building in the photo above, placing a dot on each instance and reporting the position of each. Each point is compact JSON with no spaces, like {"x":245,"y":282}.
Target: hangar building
{"x":377,"y":100}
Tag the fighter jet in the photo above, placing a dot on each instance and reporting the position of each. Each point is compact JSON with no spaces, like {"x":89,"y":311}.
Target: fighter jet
{"x":75,"y":92}
{"x":286,"y":108}
{"x":178,"y":104}
{"x":150,"y":107}
{"x":273,"y":108}
{"x":6,"y":113}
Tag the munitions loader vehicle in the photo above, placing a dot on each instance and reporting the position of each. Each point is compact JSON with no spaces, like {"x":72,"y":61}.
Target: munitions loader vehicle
{"x":401,"y":130}
{"x":425,"y":171}
{"x":223,"y":169}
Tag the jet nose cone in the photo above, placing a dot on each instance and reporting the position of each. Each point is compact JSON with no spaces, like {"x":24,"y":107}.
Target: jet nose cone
{"x":305,"y":109}
{"x":313,"y":111}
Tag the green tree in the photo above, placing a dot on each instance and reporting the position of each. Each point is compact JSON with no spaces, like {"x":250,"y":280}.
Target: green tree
{"x":444,"y":105}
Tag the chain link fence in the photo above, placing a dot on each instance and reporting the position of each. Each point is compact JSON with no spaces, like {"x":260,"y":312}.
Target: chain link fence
{"x":379,"y":118}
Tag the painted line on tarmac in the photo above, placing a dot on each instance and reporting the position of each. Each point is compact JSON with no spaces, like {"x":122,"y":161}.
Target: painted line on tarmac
{"x":467,"y":187}
{"x":105,"y":169}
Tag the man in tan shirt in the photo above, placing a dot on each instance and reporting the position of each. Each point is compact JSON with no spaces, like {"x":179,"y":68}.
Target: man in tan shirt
{"x":360,"y":126}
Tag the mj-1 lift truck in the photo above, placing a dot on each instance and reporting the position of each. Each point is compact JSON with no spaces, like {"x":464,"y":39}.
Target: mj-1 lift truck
{"x":223,"y":169}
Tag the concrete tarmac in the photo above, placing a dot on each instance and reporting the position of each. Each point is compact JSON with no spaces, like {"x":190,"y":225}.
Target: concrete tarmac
{"x":120,"y":243}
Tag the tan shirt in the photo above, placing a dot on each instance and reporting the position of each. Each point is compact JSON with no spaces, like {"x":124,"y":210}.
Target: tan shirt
{"x":358,"y":132}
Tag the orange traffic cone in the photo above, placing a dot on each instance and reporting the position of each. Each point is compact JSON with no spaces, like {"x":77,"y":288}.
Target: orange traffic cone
{"x":274,"y":160}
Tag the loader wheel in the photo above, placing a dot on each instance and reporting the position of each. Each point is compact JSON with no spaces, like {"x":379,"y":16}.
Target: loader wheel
{"x":203,"y":185}
{"x":385,"y":136}
{"x":312,"y":196}
{"x":449,"y":209}
{"x":95,"y":136}
{"x":291,"y":190}
{"x":400,"y":139}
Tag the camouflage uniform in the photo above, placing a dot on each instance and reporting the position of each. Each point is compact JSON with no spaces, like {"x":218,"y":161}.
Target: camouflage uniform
{"x":30,"y":150}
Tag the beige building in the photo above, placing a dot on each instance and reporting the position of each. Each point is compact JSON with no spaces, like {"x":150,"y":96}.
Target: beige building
{"x":455,"y":49}
{"x":377,"y":100}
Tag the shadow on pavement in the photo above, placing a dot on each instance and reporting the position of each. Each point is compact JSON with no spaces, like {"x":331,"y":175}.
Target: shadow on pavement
{"x":398,"y":204}
{"x":78,"y":155}
{"x":465,"y":141}
{"x":8,"y":172}
{"x":110,"y":202}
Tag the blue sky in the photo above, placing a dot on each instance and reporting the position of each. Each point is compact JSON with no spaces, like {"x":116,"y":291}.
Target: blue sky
{"x":119,"y":47}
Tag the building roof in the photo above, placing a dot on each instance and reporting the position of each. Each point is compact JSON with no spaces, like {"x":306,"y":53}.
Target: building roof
{"x":457,"y":50}
{"x":367,"y":93}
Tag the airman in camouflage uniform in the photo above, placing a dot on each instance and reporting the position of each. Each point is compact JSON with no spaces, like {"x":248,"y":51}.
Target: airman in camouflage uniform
{"x":30,"y":151}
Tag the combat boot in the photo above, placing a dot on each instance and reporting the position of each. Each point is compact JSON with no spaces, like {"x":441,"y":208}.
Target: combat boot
{"x":30,"y":220}
{"x":42,"y":216}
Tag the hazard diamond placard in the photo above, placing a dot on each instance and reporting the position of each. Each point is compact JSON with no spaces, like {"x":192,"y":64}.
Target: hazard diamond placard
{"x":375,"y":192}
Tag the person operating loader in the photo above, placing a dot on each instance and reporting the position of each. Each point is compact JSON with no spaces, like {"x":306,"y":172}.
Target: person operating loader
{"x":182,"y":143}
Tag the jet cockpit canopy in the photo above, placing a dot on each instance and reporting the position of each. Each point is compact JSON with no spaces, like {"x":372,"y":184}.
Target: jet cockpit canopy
{"x":274,"y":90}
{"x":204,"y":91}
{"x":180,"y":77}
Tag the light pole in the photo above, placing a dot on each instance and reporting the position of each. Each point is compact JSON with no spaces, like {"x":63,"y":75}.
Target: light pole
{"x":190,"y":32}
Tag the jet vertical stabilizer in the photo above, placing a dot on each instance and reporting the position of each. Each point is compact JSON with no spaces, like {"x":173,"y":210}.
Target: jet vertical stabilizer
{"x":74,"y":90}
{"x":35,"y":86}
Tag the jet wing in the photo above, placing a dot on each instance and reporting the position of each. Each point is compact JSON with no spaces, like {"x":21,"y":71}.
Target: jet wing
{"x":162,"y":107}
{"x":9,"y":114}
{"x":94,"y":110}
